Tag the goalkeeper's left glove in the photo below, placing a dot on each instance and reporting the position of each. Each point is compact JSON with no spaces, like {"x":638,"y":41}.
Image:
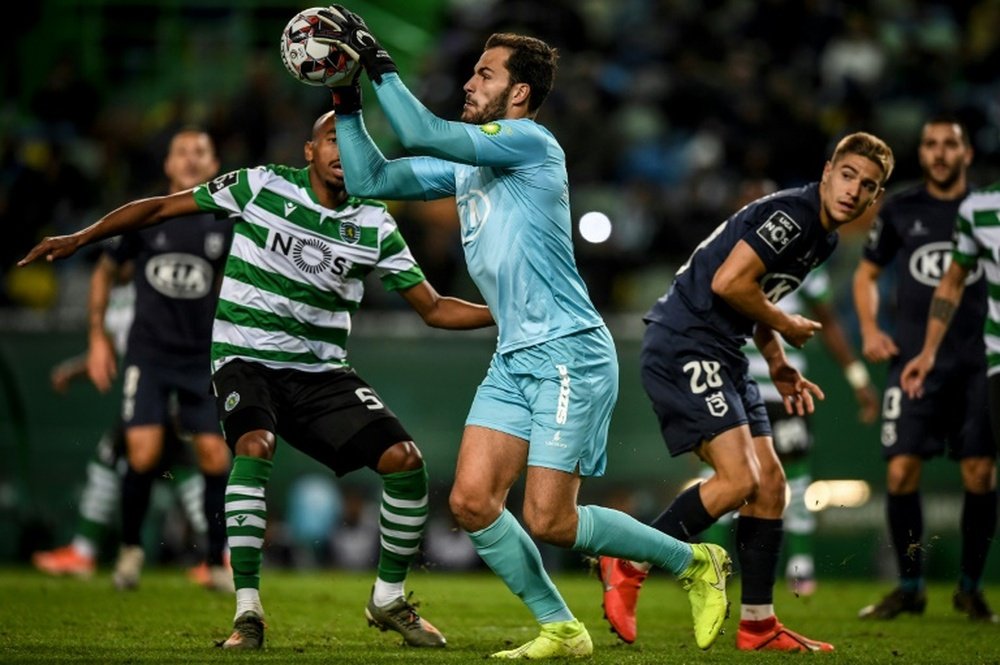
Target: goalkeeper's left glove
{"x":348,"y":31}
{"x":347,"y":96}
{"x":346,"y":99}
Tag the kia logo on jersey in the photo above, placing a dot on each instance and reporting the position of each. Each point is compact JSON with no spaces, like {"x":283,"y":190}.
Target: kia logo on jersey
{"x":182,"y":276}
{"x":929,"y":263}
{"x":778,"y":285}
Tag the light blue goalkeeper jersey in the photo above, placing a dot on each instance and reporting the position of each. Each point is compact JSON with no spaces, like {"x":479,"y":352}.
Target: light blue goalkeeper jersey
{"x":509,"y":181}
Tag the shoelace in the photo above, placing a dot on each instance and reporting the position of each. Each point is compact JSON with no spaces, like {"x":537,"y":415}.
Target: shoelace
{"x":412,"y":618}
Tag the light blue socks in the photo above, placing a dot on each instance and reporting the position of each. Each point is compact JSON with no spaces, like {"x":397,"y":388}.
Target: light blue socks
{"x":613,"y":533}
{"x":511,"y":553}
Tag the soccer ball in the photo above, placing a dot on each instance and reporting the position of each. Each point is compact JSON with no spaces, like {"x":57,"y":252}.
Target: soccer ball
{"x":310,"y":61}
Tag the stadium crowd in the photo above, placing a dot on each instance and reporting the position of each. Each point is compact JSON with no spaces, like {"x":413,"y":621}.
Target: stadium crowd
{"x":663,"y":109}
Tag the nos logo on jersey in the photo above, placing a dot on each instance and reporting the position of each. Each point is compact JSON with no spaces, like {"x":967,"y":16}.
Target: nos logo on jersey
{"x":779,"y":231}
{"x":778,"y":285}
{"x":309,"y":254}
{"x":182,"y":276}
{"x":929,"y":263}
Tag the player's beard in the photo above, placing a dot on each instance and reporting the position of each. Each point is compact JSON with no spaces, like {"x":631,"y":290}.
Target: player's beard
{"x":494,"y":110}
{"x":951,"y":177}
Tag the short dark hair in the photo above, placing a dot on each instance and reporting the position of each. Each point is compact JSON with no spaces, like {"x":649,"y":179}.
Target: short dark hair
{"x":531,"y":61}
{"x":192,"y":129}
{"x":948,"y":118}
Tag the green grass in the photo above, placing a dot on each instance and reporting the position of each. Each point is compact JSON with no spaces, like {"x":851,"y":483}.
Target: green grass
{"x":317,"y":617}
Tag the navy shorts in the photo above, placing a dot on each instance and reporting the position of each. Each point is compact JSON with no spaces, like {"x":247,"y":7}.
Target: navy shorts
{"x":699,"y":387}
{"x":152,"y":394}
{"x":953,"y":414}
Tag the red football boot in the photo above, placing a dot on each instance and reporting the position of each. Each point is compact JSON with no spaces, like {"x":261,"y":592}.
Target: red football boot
{"x":770,"y":635}
{"x":64,"y":561}
{"x":622,"y":582}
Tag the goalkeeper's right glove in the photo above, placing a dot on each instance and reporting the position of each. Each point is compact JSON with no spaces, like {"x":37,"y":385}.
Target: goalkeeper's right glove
{"x":348,"y":31}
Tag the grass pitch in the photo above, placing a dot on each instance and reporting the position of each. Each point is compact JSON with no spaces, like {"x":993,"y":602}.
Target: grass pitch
{"x":317,"y":617}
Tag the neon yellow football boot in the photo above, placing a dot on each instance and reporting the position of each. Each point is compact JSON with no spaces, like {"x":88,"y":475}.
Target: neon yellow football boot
{"x":561,"y":639}
{"x":705,"y":582}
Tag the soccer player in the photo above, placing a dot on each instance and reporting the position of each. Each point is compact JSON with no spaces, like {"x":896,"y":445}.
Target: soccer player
{"x":698,"y":378}
{"x":547,"y":398}
{"x":101,"y":494}
{"x":916,"y":227}
{"x":792,"y":433}
{"x":301,"y":250}
{"x":176,"y":275}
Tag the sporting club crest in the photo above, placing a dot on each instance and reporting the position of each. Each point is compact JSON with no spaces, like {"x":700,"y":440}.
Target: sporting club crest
{"x":350,"y":232}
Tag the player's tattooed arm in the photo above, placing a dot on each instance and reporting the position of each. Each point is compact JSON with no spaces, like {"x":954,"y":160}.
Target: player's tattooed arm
{"x":942,"y":309}
{"x":944,"y":302}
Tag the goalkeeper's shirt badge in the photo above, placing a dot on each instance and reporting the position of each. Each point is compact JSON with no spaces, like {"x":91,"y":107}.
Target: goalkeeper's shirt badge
{"x":490,"y":128}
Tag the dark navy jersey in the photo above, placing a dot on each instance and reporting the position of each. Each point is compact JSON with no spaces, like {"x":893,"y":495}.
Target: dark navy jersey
{"x":785,"y":231}
{"x":917,"y":229}
{"x":178,"y":268}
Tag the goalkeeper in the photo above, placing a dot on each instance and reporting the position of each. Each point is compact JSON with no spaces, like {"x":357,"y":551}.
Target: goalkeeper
{"x":546,"y":402}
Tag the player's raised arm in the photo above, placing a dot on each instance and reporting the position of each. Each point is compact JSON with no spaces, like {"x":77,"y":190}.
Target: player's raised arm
{"x":415,"y":125}
{"x":494,"y":95}
{"x":368,"y":173}
{"x":134,"y":215}
{"x":737,"y":281}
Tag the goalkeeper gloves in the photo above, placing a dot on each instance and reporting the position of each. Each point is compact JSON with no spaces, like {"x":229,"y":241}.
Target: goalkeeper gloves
{"x":346,"y":98}
{"x":348,"y":31}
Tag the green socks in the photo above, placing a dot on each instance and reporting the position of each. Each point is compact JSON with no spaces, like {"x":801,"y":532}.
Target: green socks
{"x":246,"y":518}
{"x":401,"y":522}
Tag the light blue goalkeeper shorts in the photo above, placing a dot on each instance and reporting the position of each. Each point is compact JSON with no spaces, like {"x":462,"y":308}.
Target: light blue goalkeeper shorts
{"x":558,"y":396}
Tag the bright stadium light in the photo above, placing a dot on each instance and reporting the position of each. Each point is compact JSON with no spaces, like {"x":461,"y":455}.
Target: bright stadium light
{"x":824,"y":494}
{"x":595,"y":227}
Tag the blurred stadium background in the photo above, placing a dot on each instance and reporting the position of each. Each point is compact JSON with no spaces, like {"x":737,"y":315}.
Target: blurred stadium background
{"x":665,"y":110}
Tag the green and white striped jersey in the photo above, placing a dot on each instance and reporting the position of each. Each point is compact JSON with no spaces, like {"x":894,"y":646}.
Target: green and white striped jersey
{"x":815,"y":288}
{"x":977,"y":238}
{"x":295,"y":270}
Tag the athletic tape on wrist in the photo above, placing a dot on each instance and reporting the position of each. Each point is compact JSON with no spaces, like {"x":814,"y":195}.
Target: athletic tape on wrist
{"x":857,"y":375}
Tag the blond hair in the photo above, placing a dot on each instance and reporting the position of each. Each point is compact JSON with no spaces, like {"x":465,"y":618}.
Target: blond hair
{"x":868,"y":146}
